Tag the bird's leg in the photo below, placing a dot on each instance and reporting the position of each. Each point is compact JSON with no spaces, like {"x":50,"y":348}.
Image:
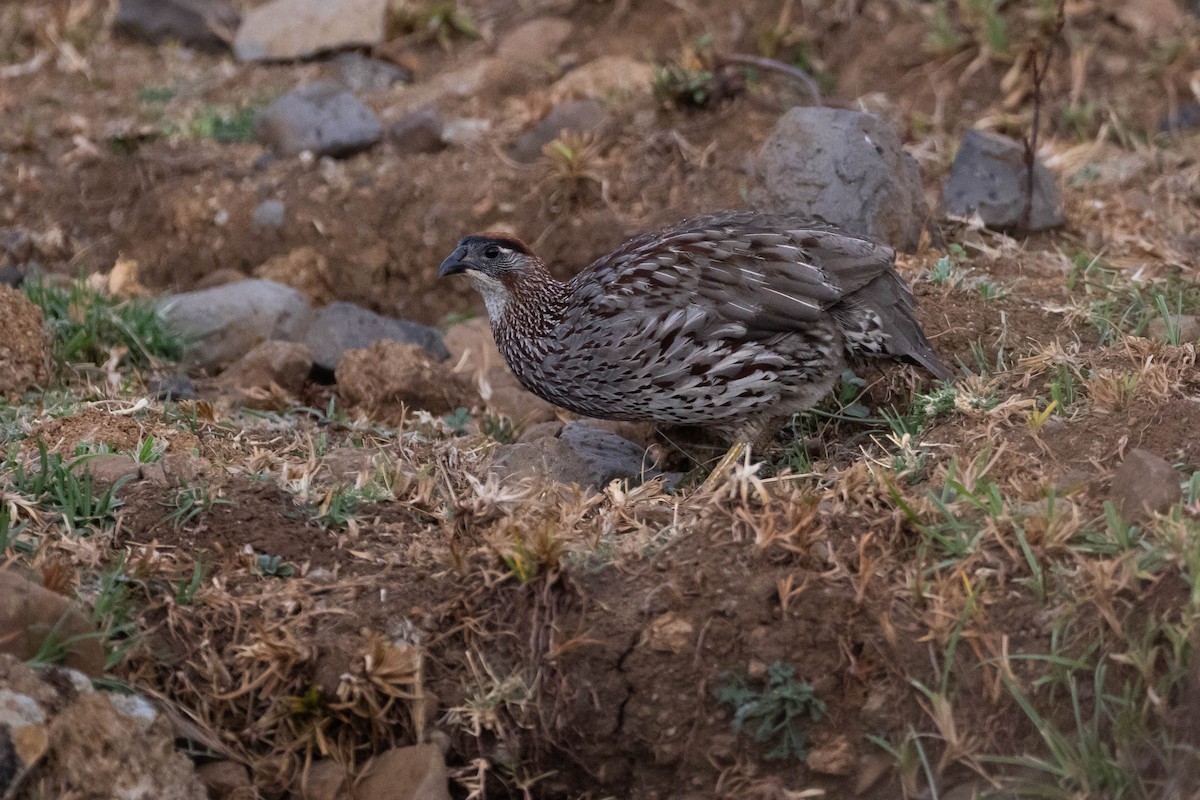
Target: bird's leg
{"x":736,"y":452}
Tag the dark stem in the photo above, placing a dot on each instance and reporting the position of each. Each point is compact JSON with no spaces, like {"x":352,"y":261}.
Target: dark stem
{"x":772,"y":65}
{"x":1040,"y":65}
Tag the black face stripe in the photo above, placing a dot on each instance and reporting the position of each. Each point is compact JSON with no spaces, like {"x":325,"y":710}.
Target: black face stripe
{"x":511,"y":243}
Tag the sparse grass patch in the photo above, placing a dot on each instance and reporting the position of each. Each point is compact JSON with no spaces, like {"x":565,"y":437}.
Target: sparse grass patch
{"x":88,"y":327}
{"x":65,"y":490}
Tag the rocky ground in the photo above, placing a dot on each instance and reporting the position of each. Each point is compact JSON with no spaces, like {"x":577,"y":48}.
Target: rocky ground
{"x":277,"y":521}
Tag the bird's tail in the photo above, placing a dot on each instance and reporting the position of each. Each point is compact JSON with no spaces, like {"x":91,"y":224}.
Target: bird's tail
{"x":897,"y":333}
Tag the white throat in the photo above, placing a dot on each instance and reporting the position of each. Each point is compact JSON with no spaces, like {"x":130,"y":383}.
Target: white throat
{"x":495,"y":295}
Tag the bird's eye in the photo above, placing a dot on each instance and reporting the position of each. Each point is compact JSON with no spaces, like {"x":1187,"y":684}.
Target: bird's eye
{"x":491,"y":251}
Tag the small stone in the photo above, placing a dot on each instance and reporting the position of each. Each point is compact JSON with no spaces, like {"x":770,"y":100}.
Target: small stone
{"x":11,"y":276}
{"x":226,"y":780}
{"x":578,"y":116}
{"x":207,"y":25}
{"x":388,"y":378}
{"x":339,"y":327}
{"x":989,"y":177}
{"x":872,"y":767}
{"x":417,"y":132}
{"x":282,"y":30}
{"x":323,"y":780}
{"x":25,"y":347}
{"x":525,"y":56}
{"x":1183,"y":328}
{"x":171,"y":387}
{"x":269,"y":214}
{"x":226,"y":322}
{"x":668,"y":633}
{"x":283,"y":364}
{"x":30,"y":614}
{"x":846,"y":168}
{"x":465,"y":131}
{"x":108,"y":469}
{"x":1184,"y":118}
{"x":834,"y":757}
{"x":362,"y":74}
{"x":303,"y":268}
{"x":581,"y":454}
{"x":322,"y":118}
{"x":1145,"y":484}
{"x":535,"y":41}
{"x":417,"y":772}
{"x":612,"y":79}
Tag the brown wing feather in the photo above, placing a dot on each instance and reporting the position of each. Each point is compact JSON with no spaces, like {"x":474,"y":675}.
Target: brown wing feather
{"x":758,"y":275}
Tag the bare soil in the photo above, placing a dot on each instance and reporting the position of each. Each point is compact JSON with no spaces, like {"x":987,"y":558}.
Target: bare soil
{"x":348,"y":585}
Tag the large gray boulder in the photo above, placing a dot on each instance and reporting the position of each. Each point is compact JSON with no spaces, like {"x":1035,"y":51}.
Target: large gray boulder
{"x":339,"y":327}
{"x":846,"y":168}
{"x":283,"y":30}
{"x":322,"y":117}
{"x":226,"y":322}
{"x":990,"y":176}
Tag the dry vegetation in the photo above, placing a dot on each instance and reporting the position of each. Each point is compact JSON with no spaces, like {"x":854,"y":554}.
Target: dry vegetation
{"x":926,"y":586}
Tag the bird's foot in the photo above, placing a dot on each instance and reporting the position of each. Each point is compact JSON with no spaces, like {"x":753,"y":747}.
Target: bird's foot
{"x":737,"y":451}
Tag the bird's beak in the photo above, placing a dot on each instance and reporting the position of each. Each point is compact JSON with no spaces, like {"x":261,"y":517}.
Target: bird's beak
{"x":454,"y":263}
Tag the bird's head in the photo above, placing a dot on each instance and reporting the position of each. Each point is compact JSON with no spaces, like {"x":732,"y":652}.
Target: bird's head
{"x":498,"y":266}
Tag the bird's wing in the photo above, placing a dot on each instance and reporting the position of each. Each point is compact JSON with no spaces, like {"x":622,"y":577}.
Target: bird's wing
{"x":765,"y":274}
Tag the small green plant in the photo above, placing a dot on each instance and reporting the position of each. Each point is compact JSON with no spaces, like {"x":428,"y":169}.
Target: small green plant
{"x":149,"y":451}
{"x":155,"y":95}
{"x":499,"y":428}
{"x":86,"y":326}
{"x":675,"y":84}
{"x":112,"y":614}
{"x":185,"y":592}
{"x":339,"y":508}
{"x":221,"y":124}
{"x":947,"y":270}
{"x":776,"y":713}
{"x":273,"y":566}
{"x":191,"y":502}
{"x":458,"y":420}
{"x":437,"y":21}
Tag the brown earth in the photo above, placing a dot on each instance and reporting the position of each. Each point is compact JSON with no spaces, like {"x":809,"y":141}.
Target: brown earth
{"x":311,"y":586}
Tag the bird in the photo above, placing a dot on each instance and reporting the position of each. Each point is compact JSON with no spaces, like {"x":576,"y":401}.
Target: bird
{"x":731,"y":321}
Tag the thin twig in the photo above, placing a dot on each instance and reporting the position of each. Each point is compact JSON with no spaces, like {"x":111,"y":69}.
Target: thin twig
{"x":772,"y":65}
{"x":1039,"y":63}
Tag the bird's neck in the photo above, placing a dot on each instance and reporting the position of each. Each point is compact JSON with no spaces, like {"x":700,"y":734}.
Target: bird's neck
{"x":526,"y":306}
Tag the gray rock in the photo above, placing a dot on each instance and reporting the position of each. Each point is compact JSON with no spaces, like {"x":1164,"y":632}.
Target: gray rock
{"x":11,"y":276}
{"x":269,"y":214}
{"x":282,"y":30}
{"x":1184,"y":118}
{"x":580,"y":116}
{"x":227,"y":321}
{"x":418,"y":132}
{"x":1185,"y":326}
{"x":339,"y":327}
{"x":321,"y":117}
{"x":1144,"y":484}
{"x":846,"y":168}
{"x":203,"y":24}
{"x":580,"y":454}
{"x":989,"y":176}
{"x":362,"y":74}
{"x":171,"y":387}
